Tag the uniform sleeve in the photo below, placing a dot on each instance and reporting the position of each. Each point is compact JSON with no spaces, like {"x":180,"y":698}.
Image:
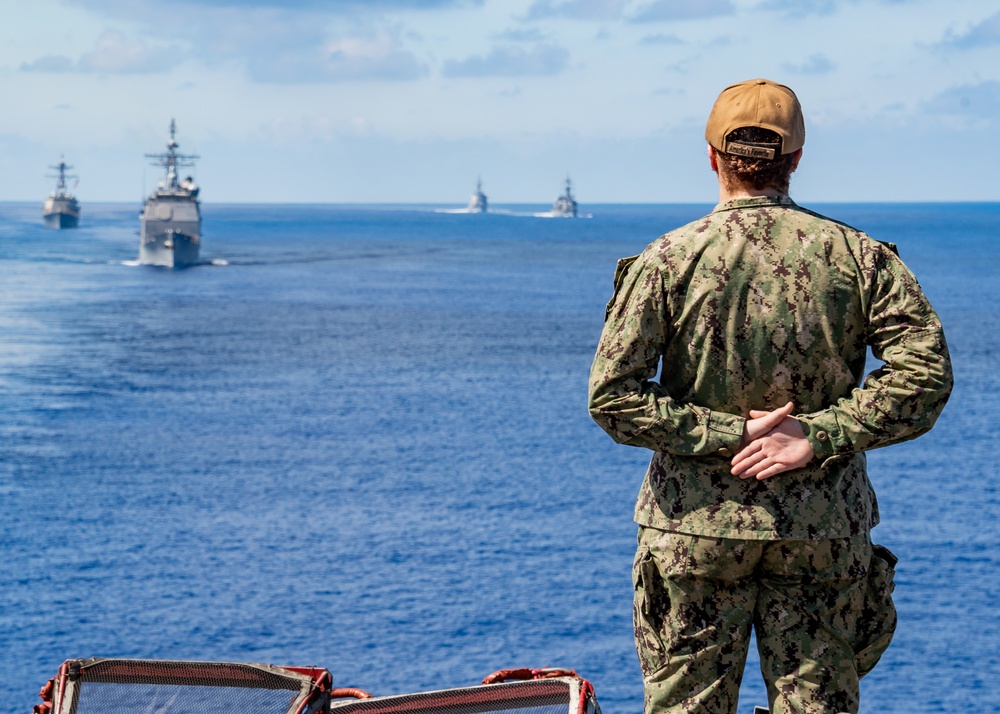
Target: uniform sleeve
{"x":904,"y":397}
{"x":624,"y":399}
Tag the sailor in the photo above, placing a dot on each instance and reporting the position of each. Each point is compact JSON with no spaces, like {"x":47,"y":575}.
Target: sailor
{"x":756,"y":509}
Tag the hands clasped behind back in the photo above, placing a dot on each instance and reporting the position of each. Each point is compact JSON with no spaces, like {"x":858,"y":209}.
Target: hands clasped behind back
{"x":773,"y":442}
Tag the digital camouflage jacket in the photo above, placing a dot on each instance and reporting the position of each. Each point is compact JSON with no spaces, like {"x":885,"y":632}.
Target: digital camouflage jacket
{"x":759,"y":303}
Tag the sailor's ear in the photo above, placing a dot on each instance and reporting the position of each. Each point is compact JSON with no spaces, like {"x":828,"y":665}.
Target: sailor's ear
{"x":796,"y":157}
{"x":713,"y":158}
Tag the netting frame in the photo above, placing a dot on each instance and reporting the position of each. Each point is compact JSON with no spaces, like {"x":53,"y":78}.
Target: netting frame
{"x":573,"y":692}
{"x":310,"y":686}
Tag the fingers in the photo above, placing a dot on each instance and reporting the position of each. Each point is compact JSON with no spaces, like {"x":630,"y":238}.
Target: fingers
{"x":771,"y":419}
{"x":770,"y":471}
{"x":781,"y":412}
{"x":759,"y":465}
{"x":762,"y":422}
{"x":756,"y":460}
{"x":746,"y":461}
{"x":784,"y":448}
{"x":745,"y":453}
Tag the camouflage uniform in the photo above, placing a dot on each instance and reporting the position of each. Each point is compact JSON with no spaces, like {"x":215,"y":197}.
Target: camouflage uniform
{"x":759,"y":303}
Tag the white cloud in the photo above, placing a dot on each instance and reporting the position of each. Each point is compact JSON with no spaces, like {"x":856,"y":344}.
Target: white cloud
{"x":348,"y":58}
{"x":577,"y":9}
{"x":661,"y":39}
{"x":671,"y":10}
{"x":510,"y":62}
{"x":630,"y":10}
{"x":49,"y":63}
{"x":113,"y":53}
{"x":522,"y":35}
{"x":134,"y":8}
{"x":801,"y":8}
{"x":815,"y":64}
{"x":983,"y":34}
{"x":968,"y":101}
{"x":808,"y":8}
{"x":273,"y":41}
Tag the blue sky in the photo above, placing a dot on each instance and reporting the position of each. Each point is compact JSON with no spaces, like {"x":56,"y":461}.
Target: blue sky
{"x":410,"y":100}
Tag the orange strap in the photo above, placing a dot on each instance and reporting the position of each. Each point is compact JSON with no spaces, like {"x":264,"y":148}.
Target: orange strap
{"x":348,"y":692}
{"x":523,"y":673}
{"x":46,"y":694}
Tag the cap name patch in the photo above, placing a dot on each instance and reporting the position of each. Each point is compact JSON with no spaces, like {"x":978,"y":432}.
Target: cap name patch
{"x":753,"y":151}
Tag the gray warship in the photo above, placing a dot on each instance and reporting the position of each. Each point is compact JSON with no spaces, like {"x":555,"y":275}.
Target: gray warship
{"x":565,"y":205}
{"x":478,"y":202}
{"x":61,"y":209}
{"x":170,"y":222}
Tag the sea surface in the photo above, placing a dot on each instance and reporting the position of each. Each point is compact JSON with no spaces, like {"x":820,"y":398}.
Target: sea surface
{"x":357,"y":438}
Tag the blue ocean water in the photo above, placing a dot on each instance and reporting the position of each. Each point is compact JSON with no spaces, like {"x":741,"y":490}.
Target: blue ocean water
{"x":357,"y":439}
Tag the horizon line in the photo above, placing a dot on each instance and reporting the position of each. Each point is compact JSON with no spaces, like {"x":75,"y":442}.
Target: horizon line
{"x":524,"y":203}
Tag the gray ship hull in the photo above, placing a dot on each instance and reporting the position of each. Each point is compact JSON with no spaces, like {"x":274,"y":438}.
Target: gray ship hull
{"x":60,"y":213}
{"x":170,"y":231}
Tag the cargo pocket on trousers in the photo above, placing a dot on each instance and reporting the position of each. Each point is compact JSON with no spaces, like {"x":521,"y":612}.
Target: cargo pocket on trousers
{"x":877,"y":621}
{"x":648,"y":608}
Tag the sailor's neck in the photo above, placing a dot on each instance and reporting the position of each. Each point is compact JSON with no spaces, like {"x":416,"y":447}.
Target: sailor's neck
{"x":728,"y":195}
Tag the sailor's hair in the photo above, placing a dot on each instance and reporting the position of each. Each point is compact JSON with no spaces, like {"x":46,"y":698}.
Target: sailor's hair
{"x":759,"y":173}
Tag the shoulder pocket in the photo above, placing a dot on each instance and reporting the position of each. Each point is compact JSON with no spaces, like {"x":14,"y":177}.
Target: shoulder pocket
{"x":621,"y":270}
{"x":891,"y":246}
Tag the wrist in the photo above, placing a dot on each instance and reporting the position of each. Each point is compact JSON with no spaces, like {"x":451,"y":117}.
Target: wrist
{"x":818,"y":436}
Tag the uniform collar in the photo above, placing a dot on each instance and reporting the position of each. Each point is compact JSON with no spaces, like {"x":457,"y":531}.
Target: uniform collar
{"x":755,"y":202}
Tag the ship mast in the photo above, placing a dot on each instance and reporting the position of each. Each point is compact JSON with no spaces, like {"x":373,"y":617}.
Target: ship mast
{"x":61,"y":177}
{"x":172,"y":160}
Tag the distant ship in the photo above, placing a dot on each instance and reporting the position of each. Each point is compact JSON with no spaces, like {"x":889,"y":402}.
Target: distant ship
{"x":170,"y":222}
{"x":565,"y":205}
{"x":478,"y":202}
{"x":61,"y":209}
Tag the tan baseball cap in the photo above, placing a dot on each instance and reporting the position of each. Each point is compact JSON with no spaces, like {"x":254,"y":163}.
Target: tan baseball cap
{"x":761,"y":103}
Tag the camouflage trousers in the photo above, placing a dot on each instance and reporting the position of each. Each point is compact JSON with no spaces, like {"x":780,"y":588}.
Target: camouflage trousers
{"x":821,"y":610}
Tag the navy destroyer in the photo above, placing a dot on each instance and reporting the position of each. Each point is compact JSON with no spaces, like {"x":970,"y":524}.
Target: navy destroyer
{"x":565,"y":205}
{"x":61,"y":209}
{"x":170,"y":222}
{"x":478,"y":202}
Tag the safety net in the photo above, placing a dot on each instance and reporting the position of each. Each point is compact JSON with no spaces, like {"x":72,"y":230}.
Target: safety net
{"x":539,"y":691}
{"x":123,"y":686}
{"x":127,"y":686}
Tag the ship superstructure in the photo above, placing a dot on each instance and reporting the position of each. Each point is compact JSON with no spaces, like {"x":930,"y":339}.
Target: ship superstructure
{"x":170,"y":222}
{"x":61,"y":209}
{"x":565,"y":206}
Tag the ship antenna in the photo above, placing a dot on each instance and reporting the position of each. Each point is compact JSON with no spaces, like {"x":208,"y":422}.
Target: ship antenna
{"x":172,"y":155}
{"x":171,"y":160}
{"x":61,"y":177}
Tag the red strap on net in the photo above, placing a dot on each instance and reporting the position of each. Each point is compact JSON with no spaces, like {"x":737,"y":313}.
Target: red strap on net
{"x":46,"y":694}
{"x":347,"y":692}
{"x":524,"y":673}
